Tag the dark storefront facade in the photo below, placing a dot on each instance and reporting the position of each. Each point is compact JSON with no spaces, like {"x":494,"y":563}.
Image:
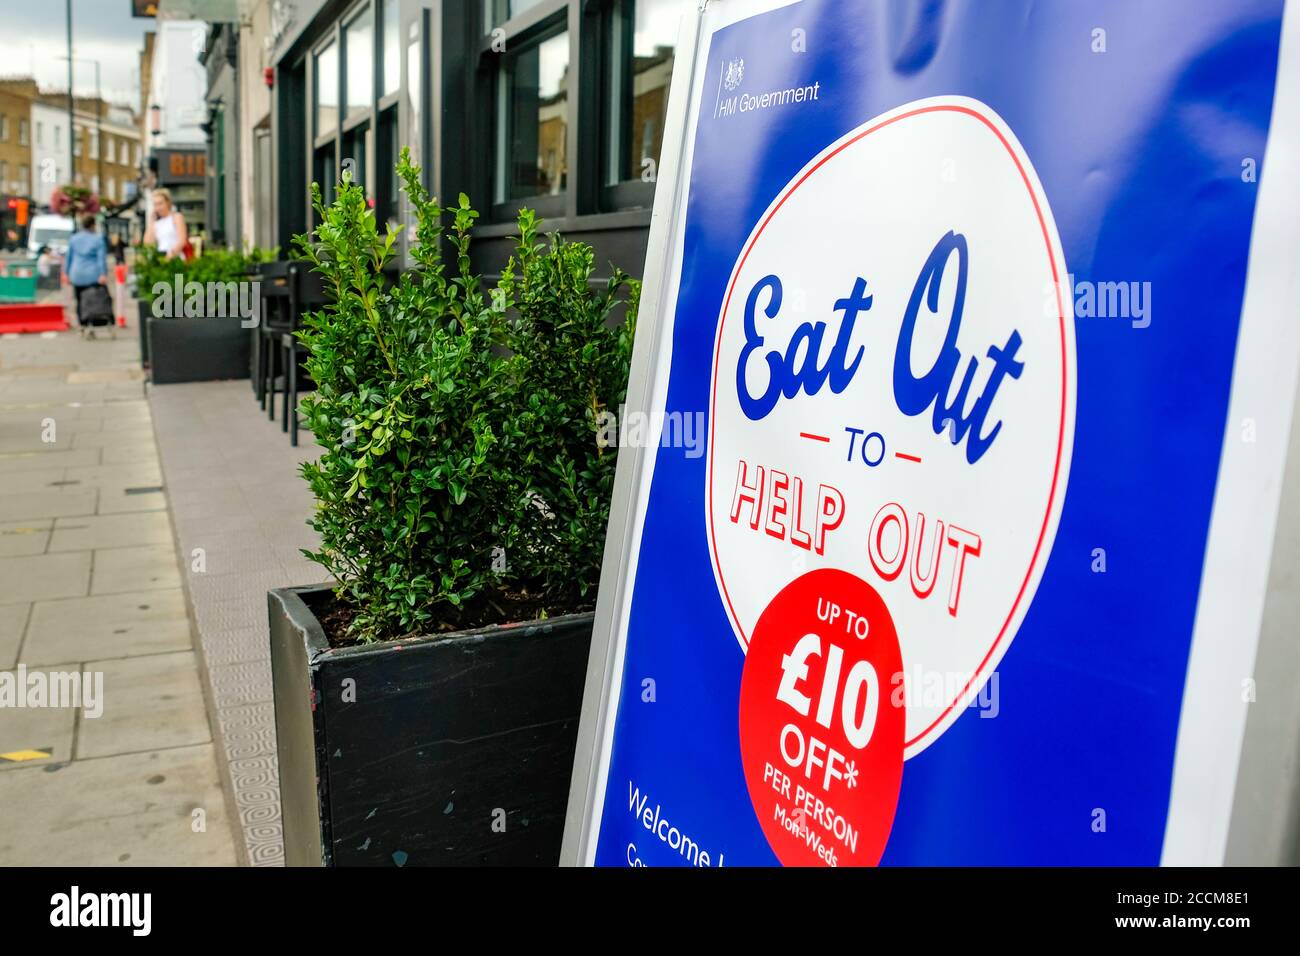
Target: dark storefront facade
{"x":222,"y":129}
{"x":554,"y":104}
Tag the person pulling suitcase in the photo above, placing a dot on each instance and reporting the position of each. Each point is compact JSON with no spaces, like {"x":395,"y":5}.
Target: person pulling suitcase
{"x":87,"y":268}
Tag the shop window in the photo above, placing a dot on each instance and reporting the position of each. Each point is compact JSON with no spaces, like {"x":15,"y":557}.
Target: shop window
{"x":354,"y":153}
{"x":390,"y":47}
{"x":387,"y":150}
{"x":533,"y":120}
{"x":497,"y":12}
{"x":639,"y":66}
{"x":326,"y":98}
{"x":322,"y":171}
{"x":359,"y":47}
{"x":414,"y":84}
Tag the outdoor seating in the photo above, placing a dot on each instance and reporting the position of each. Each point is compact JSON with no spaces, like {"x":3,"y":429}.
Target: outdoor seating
{"x":309,"y":294}
{"x":288,"y":289}
{"x":276,"y":312}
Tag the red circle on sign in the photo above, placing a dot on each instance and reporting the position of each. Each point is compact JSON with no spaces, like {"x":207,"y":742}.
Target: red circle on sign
{"x":822,"y":721}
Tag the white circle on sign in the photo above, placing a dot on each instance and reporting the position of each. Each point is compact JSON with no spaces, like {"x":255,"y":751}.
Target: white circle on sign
{"x":893,"y":393}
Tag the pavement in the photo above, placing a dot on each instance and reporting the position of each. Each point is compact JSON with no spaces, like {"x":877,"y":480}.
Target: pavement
{"x":240,"y":511}
{"x":93,"y":610}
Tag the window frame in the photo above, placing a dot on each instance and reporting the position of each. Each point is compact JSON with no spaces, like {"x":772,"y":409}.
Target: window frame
{"x":349,"y":118}
{"x":381,"y":55}
{"x":626,"y":194}
{"x":528,"y":30}
{"x":588,"y":206}
{"x":330,"y":37}
{"x":318,"y":140}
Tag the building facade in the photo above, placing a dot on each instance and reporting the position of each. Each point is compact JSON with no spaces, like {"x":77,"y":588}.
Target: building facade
{"x":177,"y":116}
{"x":553,"y":104}
{"x":106,"y":154}
{"x":16,"y":96}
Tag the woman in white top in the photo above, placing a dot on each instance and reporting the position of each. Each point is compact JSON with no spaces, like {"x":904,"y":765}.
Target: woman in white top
{"x":166,"y":226}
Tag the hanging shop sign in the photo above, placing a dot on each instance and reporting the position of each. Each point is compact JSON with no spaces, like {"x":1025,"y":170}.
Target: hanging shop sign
{"x":177,"y":166}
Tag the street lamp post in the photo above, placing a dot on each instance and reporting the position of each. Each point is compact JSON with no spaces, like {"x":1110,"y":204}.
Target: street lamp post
{"x":72,"y":127}
{"x":99,"y":113}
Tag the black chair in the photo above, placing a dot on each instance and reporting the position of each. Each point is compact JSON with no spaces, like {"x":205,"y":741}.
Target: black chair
{"x":277,"y":315}
{"x":309,"y":295}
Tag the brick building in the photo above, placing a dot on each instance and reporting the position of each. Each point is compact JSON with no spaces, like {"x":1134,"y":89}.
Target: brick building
{"x":16,"y":97}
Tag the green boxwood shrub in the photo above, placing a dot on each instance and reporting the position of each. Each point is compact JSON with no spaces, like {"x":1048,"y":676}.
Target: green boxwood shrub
{"x":213,"y":265}
{"x":461,"y":480}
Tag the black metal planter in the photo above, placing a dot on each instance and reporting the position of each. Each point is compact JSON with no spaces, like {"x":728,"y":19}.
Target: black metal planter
{"x":197,"y":350}
{"x":450,"y":750}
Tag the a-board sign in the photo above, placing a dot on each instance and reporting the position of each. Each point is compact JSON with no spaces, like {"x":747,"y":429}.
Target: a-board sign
{"x":954,"y":439}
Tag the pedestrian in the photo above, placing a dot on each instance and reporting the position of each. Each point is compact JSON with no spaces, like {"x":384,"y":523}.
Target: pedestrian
{"x":87,"y":261}
{"x":118,"y":248}
{"x":166,"y":228}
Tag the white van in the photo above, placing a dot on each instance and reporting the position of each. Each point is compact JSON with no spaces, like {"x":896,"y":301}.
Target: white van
{"x":52,"y":231}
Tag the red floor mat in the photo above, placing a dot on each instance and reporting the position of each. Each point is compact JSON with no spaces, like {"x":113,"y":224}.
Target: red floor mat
{"x":32,"y":318}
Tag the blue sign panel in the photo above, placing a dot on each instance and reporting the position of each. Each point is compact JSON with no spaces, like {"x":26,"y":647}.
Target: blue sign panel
{"x":957,"y":299}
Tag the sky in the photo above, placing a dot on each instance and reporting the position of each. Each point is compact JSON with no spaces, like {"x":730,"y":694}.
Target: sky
{"x":33,"y":35}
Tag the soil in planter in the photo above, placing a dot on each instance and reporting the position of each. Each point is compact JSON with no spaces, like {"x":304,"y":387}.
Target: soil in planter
{"x":496,"y":607}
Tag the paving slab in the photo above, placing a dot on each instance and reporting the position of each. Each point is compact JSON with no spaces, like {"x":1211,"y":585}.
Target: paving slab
{"x":47,"y":430}
{"x":137,"y":435}
{"x":114,"y":625}
{"x":144,"y":568}
{"x":20,"y":538}
{"x":13,"y":622}
{"x":46,"y":479}
{"x":149,"y":703}
{"x":115,"y":476}
{"x":105,"y":375}
{"x":150,"y":496}
{"x":44,"y":576}
{"x":92,"y":532}
{"x":129,"y":453}
{"x":63,"y":819}
{"x":16,"y":462}
{"x":53,"y":503}
{"x":35,"y":736}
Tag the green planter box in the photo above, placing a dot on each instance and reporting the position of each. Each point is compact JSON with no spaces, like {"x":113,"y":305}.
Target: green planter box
{"x":445,"y":734}
{"x":18,"y":281}
{"x":197,"y":350}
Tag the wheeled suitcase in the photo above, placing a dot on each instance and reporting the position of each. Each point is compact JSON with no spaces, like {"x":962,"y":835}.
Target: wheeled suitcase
{"x":96,"y":310}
